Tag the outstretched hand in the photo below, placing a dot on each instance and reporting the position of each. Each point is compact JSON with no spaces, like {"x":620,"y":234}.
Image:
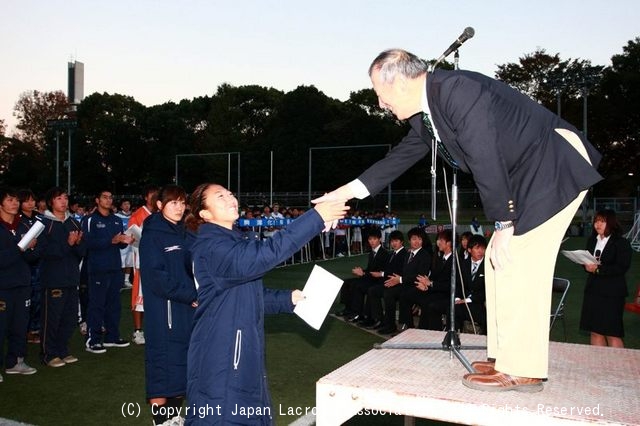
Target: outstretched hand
{"x":499,"y":255}
{"x":343,"y":194}
{"x":331,"y":211}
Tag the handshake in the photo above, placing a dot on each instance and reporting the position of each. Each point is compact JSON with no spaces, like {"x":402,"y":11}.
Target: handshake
{"x":337,"y":197}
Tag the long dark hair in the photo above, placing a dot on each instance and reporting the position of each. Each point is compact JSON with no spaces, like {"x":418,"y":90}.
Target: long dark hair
{"x":612,"y":227}
{"x":196,"y":205}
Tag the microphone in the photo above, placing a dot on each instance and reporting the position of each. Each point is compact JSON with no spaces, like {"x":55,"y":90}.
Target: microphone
{"x":466,"y":35}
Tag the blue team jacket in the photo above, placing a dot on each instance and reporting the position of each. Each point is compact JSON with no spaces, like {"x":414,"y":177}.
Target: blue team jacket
{"x":169,"y":290}
{"x":60,"y":262}
{"x":226,"y":366}
{"x":102,"y":255}
{"x":14,"y":263}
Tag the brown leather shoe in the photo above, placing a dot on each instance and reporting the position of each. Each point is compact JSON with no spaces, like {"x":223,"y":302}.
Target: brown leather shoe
{"x":483,"y":367}
{"x":495,"y":381}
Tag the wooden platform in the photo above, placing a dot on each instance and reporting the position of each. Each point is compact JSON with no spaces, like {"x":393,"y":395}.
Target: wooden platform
{"x":586,"y":385}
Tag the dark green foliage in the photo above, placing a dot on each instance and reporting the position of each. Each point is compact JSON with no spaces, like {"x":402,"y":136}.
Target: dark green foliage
{"x":125,"y":145}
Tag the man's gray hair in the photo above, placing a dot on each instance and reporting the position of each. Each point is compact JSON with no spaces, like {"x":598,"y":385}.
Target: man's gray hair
{"x":393,"y":62}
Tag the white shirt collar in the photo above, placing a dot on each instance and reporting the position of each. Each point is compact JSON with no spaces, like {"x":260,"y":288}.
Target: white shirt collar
{"x":425,"y":102}
{"x":601,"y":242}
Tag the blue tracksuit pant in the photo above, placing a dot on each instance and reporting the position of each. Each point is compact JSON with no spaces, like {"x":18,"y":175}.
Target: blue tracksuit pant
{"x":104,"y":305}
{"x":14,"y":321}
{"x":59,"y":321}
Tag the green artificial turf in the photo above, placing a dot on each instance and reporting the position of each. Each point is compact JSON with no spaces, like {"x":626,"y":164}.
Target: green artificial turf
{"x":108,"y":389}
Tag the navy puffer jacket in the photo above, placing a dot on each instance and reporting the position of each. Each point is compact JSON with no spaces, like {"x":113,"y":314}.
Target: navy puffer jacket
{"x":169,"y":291}
{"x":227,"y":382}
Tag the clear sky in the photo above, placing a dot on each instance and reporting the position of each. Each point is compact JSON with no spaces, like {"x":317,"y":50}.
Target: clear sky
{"x":157,"y":51}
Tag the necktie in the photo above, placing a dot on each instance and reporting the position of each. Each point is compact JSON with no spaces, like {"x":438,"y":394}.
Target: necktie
{"x":474,"y":269}
{"x":393,"y":254}
{"x":411,"y":256}
{"x":444,"y":153}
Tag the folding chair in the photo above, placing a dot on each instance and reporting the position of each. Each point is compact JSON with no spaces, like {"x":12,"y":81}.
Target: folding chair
{"x":560,"y":287}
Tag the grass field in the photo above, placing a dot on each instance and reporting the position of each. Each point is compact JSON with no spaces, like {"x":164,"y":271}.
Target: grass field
{"x":108,"y":389}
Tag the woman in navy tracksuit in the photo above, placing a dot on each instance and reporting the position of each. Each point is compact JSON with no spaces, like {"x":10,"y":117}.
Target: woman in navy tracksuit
{"x":62,"y":248}
{"x":15,"y":285}
{"x":227,"y":381}
{"x":169,"y":302}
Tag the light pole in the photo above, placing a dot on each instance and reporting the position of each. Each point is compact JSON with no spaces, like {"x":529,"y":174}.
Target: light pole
{"x":585,"y":95}
{"x":58,"y":125}
{"x":211,"y":154}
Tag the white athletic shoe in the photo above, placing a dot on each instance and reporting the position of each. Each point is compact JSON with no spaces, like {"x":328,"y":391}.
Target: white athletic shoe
{"x":138,"y":337}
{"x":176,"y":421}
{"x":21,"y":367}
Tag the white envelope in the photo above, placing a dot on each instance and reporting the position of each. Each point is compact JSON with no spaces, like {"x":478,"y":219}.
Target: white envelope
{"x":320,"y":291}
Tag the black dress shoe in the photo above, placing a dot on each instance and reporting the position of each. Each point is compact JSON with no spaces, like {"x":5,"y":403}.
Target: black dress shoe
{"x":354,"y":318}
{"x":367,"y":323}
{"x":387,"y":330}
{"x":374,"y":325}
{"x":381,"y":326}
{"x":362,"y":320}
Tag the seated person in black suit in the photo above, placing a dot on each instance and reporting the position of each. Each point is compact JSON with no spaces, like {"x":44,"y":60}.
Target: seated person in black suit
{"x":463,"y":253}
{"x":395,"y":265}
{"x":470,"y":297}
{"x":430,"y":291}
{"x":354,"y":289}
{"x":418,"y":263}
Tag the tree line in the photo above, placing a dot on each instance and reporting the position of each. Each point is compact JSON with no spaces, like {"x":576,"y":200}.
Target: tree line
{"x":122,"y":145}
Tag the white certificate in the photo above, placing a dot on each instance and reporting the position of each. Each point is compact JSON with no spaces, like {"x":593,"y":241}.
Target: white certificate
{"x":581,"y":257}
{"x":136,"y":232}
{"x":320,"y":291}
{"x":31,"y":235}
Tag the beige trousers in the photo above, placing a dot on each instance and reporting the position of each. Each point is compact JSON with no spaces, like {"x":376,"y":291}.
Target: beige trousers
{"x":519,"y":295}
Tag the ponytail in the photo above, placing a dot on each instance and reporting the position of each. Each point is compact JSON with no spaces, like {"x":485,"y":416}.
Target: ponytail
{"x":196,"y":205}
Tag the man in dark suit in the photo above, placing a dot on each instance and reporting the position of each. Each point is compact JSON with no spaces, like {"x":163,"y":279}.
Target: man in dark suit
{"x":432,"y":292}
{"x":532,"y":170}
{"x":470,"y":291}
{"x":418,"y":263}
{"x":386,"y":323}
{"x":354,"y":290}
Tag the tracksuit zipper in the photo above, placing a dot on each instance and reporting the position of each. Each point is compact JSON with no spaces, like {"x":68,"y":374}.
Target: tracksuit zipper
{"x":169,"y":321}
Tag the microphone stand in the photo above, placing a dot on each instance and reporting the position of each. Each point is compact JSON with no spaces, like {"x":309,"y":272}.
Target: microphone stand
{"x":451,"y":340}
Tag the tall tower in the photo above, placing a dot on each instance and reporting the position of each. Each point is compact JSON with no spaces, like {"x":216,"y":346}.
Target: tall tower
{"x":76,"y":82}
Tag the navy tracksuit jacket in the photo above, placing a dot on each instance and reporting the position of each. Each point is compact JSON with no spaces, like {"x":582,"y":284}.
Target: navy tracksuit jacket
{"x":15,"y":291}
{"x":59,"y":278}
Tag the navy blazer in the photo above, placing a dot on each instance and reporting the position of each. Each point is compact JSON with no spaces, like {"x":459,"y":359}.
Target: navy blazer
{"x":473,"y":287}
{"x":441,"y":274}
{"x":395,"y":263}
{"x":419,"y":265}
{"x":524,"y":169}
{"x":377,"y":263}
